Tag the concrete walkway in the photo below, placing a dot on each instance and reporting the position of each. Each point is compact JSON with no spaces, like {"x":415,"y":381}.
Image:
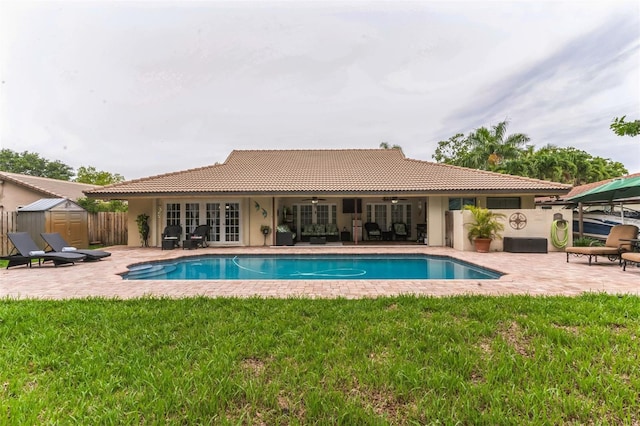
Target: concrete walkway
{"x":533,"y":274}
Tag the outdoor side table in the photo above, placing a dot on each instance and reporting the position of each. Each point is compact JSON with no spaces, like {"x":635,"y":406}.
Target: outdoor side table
{"x":189,"y":244}
{"x":168,"y":244}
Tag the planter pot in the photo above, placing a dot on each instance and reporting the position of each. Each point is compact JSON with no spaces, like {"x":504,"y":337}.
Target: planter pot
{"x":482,"y":244}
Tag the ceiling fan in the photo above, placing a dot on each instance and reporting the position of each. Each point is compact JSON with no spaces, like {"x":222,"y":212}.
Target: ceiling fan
{"x":314,"y":200}
{"x":394,"y":200}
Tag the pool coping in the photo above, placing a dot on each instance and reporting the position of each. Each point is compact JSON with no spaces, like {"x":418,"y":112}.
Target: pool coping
{"x":531,"y":274}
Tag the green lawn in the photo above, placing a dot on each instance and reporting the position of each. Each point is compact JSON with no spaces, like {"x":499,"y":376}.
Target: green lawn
{"x":404,"y":360}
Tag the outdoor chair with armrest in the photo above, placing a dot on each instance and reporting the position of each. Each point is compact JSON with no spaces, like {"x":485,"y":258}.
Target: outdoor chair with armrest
{"x":172,"y":234}
{"x":201,"y":235}
{"x":373,"y":231}
{"x":400,"y":230}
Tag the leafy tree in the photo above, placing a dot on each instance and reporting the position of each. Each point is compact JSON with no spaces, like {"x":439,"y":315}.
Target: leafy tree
{"x":30,"y":163}
{"x":93,"y":206}
{"x":97,"y":177}
{"x":453,"y":150}
{"x":385,"y":145}
{"x":490,"y":150}
{"x":625,"y":128}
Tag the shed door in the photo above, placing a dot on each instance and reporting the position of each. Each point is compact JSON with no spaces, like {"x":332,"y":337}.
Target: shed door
{"x":71,"y":225}
{"x":79,"y":234}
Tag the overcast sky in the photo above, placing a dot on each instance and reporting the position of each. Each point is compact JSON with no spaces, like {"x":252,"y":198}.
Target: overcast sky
{"x":143,"y":88}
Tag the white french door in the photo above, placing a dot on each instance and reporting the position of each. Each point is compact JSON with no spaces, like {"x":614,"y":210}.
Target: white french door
{"x":223,"y":218}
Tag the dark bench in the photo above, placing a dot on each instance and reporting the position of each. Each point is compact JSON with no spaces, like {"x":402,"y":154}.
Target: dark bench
{"x":525,"y":245}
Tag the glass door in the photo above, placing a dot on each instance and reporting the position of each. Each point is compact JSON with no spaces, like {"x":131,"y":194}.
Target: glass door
{"x":232,"y":222}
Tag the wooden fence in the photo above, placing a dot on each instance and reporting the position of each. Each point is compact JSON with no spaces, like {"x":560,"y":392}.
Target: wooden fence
{"x":8,"y":223}
{"x":108,"y":228}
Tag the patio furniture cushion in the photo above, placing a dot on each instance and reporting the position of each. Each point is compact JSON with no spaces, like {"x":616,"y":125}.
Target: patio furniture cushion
{"x":630,"y":258}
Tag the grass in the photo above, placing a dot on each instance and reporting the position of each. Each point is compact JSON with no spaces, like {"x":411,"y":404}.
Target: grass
{"x":402,"y":360}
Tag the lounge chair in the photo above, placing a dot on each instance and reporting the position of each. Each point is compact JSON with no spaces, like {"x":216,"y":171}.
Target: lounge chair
{"x":171,"y":237}
{"x":400,"y":230}
{"x":200,"y":235}
{"x":57,"y":243}
{"x":612,"y":248}
{"x":630,"y":258}
{"x":373,"y":231}
{"x":27,"y":250}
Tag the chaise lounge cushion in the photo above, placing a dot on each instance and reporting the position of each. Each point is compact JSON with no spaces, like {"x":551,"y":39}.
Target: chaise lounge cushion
{"x":630,"y":258}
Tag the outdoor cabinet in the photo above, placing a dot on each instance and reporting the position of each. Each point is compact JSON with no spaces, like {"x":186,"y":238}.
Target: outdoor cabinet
{"x":525,"y":245}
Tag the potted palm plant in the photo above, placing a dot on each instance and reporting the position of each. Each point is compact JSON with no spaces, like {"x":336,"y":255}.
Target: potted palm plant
{"x":484,"y":228}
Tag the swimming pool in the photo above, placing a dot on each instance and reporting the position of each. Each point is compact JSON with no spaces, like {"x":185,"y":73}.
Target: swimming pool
{"x":310,"y":267}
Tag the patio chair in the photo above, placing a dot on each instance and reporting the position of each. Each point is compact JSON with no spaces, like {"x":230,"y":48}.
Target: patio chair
{"x":373,"y":231}
{"x":630,"y":258}
{"x":27,"y":250}
{"x":201,"y":235}
{"x":612,"y":248}
{"x":400,"y":230}
{"x":57,"y":243}
{"x":284,"y":236}
{"x":171,"y":237}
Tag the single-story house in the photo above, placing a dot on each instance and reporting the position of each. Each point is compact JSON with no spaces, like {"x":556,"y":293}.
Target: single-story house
{"x":17,"y":190}
{"x":320,"y":191}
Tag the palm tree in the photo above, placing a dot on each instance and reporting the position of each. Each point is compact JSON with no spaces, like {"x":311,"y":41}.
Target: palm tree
{"x":492,"y":147}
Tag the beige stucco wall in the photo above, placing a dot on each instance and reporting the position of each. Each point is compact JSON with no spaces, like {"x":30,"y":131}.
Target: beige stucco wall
{"x":259,"y":211}
{"x":538,"y":224}
{"x":13,"y":196}
{"x":136,"y":207}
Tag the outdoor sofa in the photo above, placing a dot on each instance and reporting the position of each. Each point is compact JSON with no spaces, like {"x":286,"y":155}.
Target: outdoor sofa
{"x":328,"y":231}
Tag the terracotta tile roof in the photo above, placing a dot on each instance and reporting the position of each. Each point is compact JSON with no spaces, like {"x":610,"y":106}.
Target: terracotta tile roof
{"x":49,"y":188}
{"x":354,"y":171}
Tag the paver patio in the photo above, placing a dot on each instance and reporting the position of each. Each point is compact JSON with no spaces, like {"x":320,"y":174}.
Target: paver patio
{"x":533,"y":274}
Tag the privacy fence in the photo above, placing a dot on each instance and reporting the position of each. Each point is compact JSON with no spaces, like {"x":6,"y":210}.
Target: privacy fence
{"x":107,"y":228}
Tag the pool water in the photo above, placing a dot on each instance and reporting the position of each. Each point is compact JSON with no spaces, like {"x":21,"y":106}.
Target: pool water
{"x":310,"y":267}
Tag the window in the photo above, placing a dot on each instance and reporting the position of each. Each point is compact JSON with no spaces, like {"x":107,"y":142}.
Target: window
{"x":213,"y":220}
{"x":496,"y":203}
{"x":173,"y":214}
{"x":459,"y":203}
{"x":232,"y":222}
{"x":191,"y":216}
